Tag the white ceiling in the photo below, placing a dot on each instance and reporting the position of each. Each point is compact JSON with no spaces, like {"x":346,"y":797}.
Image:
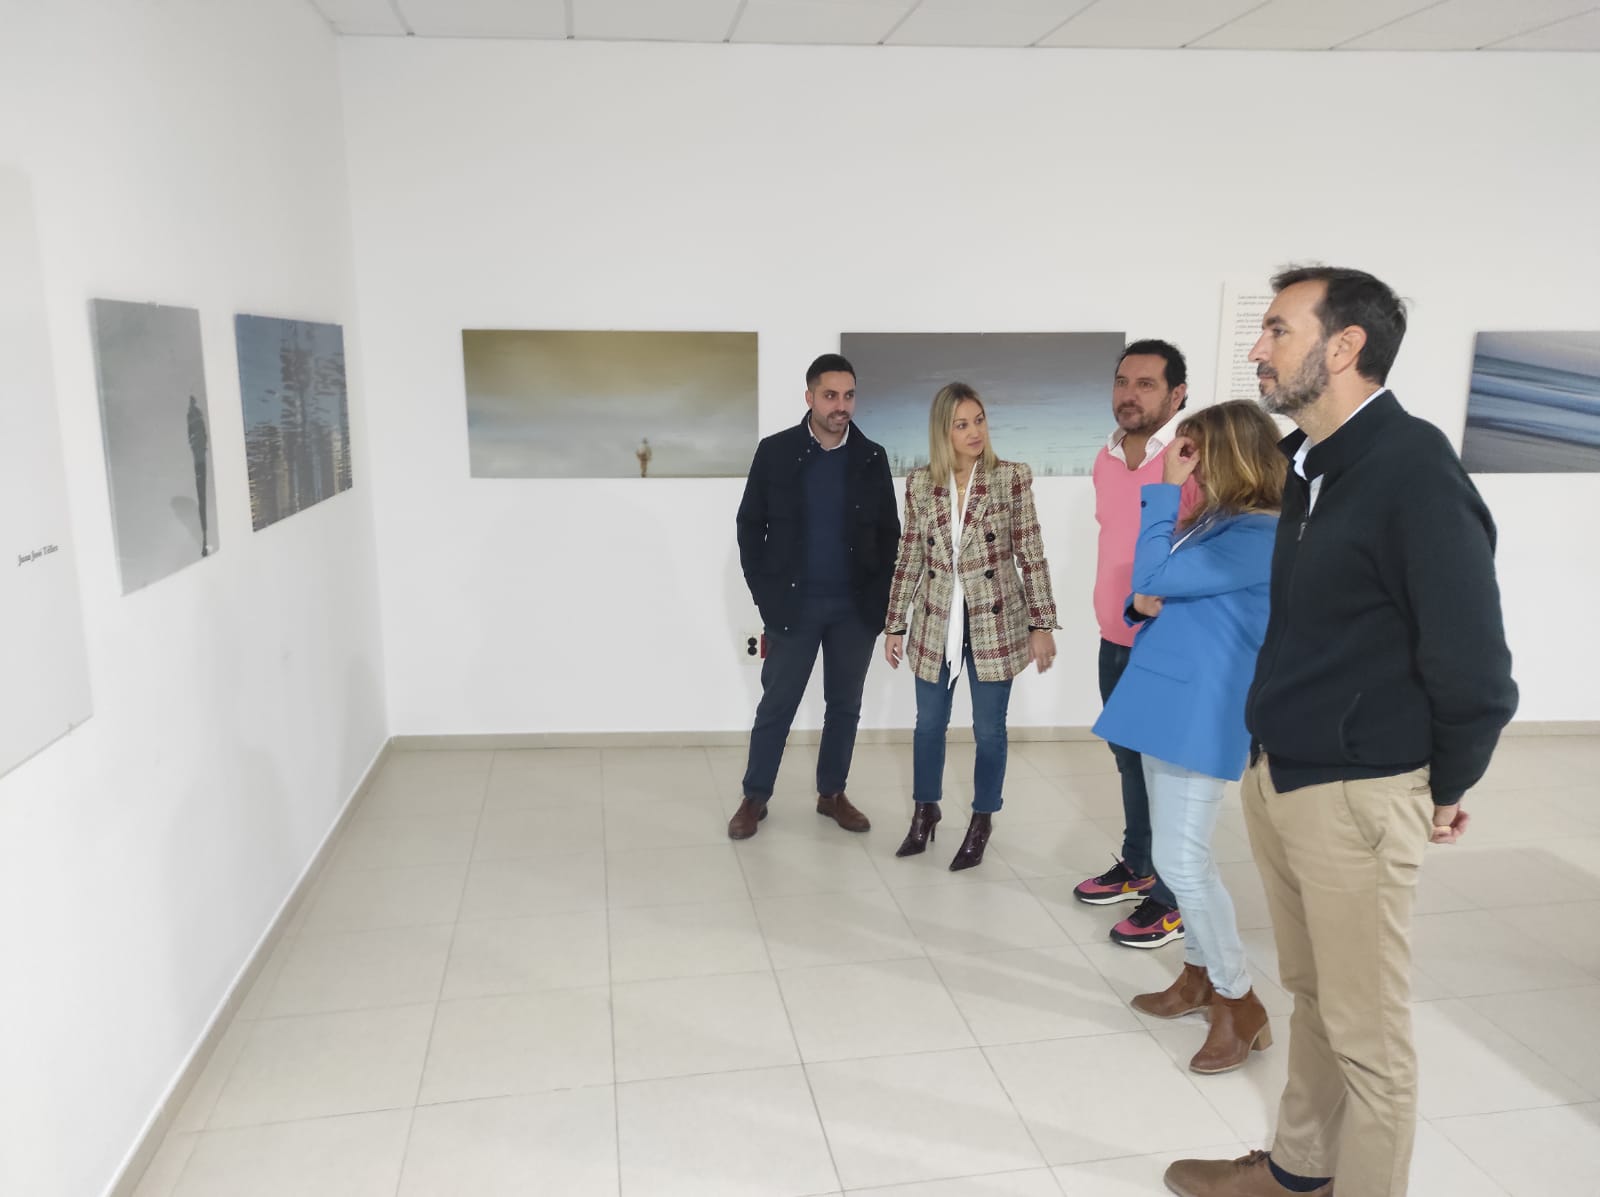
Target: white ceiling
{"x":1134,"y":24}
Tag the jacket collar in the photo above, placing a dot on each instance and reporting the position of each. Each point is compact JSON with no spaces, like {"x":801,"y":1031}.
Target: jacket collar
{"x":1350,"y":442}
{"x":977,"y":507}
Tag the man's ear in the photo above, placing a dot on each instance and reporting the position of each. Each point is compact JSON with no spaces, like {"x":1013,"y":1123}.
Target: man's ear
{"x":1344,"y":350}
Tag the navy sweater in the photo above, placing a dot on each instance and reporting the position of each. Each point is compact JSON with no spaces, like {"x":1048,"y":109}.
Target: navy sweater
{"x":1385,"y":649}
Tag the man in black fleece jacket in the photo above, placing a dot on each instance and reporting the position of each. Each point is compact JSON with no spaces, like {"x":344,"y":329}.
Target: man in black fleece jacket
{"x":1379,"y":695}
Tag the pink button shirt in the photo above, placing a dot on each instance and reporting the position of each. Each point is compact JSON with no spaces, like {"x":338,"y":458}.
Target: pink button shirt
{"x":1116,"y":507}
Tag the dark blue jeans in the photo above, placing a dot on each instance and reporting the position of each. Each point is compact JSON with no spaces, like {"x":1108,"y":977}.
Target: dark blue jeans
{"x":834,"y":626}
{"x":1135,"y":800}
{"x":989,"y":703}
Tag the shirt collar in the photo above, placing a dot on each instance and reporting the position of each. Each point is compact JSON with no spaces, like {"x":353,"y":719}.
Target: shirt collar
{"x":1308,"y":444}
{"x":843,"y":440}
{"x":1159,"y":439}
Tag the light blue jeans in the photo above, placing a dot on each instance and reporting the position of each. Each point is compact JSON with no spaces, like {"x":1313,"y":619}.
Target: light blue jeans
{"x":1183,"y":816}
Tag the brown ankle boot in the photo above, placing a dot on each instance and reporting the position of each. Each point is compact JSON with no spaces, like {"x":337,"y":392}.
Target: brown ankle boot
{"x":1238,"y":1027}
{"x":1190,"y":992}
{"x":971,"y":851}
{"x":743,"y":824}
{"x":924,"y":827}
{"x":837,"y":807}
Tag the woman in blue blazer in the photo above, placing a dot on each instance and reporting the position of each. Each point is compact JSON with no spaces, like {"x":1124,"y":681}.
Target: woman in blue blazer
{"x":1201,"y":591}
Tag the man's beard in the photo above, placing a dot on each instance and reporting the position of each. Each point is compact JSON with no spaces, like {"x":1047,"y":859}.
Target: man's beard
{"x":1144,"y":424}
{"x":1304,"y":387}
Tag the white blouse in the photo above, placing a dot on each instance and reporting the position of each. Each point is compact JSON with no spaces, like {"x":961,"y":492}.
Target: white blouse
{"x":955,"y":634}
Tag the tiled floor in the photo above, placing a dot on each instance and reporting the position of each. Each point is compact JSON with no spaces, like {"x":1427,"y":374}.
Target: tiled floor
{"x":550,"y":972}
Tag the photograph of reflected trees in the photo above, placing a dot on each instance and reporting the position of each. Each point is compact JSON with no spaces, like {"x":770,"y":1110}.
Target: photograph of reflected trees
{"x":296,"y":414}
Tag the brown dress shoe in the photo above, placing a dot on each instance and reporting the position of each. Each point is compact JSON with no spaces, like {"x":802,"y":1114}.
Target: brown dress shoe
{"x":1190,"y":992}
{"x":743,"y":824}
{"x":837,"y":807}
{"x":1238,"y":1027}
{"x":1248,"y":1176}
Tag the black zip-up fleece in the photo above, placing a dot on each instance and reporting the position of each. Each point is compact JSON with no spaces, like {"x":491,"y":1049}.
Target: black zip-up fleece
{"x":1385,"y":648}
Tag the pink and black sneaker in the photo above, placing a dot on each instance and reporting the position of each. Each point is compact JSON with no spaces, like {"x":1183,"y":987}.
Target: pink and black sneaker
{"x":1150,"y":925}
{"x":1117,"y":884}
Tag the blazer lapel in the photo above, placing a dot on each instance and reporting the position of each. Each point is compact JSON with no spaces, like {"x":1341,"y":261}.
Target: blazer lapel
{"x":977,"y":504}
{"x":939,"y":497}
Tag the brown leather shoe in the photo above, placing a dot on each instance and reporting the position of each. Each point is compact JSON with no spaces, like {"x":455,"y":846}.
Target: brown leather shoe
{"x":837,"y":807}
{"x":1238,"y":1027}
{"x":743,"y":824}
{"x":1190,"y":992}
{"x":1247,"y":1176}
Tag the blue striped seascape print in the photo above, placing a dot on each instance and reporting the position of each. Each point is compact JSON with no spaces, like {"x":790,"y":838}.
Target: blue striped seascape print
{"x":1534,"y":404}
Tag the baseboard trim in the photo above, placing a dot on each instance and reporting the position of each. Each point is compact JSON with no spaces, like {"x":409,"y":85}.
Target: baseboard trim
{"x":507,"y":741}
{"x":160,"y":1122}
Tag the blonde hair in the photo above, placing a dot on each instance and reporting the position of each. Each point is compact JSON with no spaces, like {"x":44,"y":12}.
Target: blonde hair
{"x":1240,"y":467}
{"x":941,"y":418}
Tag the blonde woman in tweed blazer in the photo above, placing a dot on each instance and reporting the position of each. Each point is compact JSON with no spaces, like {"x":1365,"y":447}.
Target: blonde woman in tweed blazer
{"x":972,"y":588}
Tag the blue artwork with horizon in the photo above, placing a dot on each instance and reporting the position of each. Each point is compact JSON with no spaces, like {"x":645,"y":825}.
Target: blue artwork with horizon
{"x":1534,"y":404}
{"x":1047,"y":395}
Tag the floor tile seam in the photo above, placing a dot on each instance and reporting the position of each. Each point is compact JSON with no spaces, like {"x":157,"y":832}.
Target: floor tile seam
{"x":611,"y":977}
{"x":788,"y":1018}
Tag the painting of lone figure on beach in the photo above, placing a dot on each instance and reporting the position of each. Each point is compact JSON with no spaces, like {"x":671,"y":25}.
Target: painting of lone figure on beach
{"x":1047,"y":395}
{"x":581,"y":404}
{"x":1534,"y":404}
{"x":157,"y":431}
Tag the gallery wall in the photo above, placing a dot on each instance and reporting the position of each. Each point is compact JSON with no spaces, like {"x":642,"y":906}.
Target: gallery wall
{"x":804,"y":192}
{"x":186,"y":153}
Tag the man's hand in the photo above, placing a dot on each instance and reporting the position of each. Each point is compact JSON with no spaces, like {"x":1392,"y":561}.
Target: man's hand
{"x":1449,"y":823}
{"x":893,"y":650}
{"x":1179,"y":461}
{"x":1147,"y":605}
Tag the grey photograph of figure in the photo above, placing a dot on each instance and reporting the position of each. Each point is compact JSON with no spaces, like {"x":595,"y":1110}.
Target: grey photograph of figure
{"x":551,"y":403}
{"x":296,"y":414}
{"x":156,"y":430}
{"x":1048,"y":390}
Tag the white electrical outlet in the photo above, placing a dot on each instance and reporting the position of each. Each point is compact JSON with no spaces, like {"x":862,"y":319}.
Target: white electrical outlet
{"x":750,"y":644}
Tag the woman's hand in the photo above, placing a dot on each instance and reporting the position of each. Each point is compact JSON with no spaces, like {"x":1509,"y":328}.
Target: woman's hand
{"x":1179,"y":461}
{"x":1147,"y":605}
{"x":894,"y":649}
{"x":1042,"y":648}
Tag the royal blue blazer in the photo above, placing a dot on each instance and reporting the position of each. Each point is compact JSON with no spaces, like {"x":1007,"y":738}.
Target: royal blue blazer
{"x":1182,"y":696}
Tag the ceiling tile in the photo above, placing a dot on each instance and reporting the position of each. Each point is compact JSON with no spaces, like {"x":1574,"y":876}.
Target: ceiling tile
{"x":983,"y":22}
{"x":361,"y":17}
{"x":486,"y":18}
{"x":1467,"y":24}
{"x":654,"y":20}
{"x":1581,"y":32}
{"x":819,"y":22}
{"x":1307,"y":24}
{"x":1147,"y":24}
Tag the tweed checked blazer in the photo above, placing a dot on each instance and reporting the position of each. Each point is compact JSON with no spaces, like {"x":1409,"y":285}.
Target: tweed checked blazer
{"x":1000,"y":536}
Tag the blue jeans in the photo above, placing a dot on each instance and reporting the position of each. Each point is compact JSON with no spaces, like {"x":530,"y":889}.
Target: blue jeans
{"x":836,"y":627}
{"x":989,"y":702}
{"x":1135,"y":799}
{"x":1183,"y":815}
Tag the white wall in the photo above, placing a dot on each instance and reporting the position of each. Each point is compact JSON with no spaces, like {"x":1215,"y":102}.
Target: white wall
{"x":802,"y":192}
{"x":188,"y":152}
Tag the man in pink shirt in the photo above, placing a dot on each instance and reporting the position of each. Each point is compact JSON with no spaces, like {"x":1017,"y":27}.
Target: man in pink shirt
{"x":1150,"y":388}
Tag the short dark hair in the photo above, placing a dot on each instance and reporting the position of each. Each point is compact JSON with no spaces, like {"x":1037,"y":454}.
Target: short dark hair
{"x":828,"y":363}
{"x":1176,"y":370}
{"x":1355,"y":297}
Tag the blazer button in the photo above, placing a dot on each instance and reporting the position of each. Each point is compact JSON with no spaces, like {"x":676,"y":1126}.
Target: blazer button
{"x":930,"y":540}
{"x":995,"y":610}
{"x":989,"y":537}
{"x":930,"y":573}
{"x":988,"y":573}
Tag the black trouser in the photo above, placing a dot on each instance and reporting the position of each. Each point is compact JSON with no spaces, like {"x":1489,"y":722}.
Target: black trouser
{"x":1135,"y":800}
{"x":836,"y":627}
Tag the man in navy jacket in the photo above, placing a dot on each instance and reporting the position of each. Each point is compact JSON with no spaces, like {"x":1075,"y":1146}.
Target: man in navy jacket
{"x":818,"y":534}
{"x":1379,"y":695}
